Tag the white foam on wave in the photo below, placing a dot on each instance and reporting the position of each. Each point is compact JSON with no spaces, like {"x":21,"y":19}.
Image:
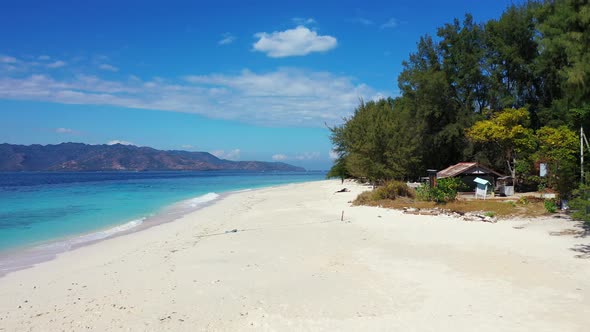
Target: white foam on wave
{"x":107,"y":232}
{"x":95,"y":236}
{"x":47,"y":251}
{"x":200,"y":200}
{"x":241,"y":191}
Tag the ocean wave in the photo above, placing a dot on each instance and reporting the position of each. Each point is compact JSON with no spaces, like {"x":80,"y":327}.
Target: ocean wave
{"x":107,"y":232}
{"x":241,"y":191}
{"x":200,"y":200}
{"x":47,"y":251}
{"x":91,"y":237}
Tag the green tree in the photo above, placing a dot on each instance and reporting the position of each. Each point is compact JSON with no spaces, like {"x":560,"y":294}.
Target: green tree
{"x":375,"y":143}
{"x":563,"y":30}
{"x":432,"y":110}
{"x":511,"y":51}
{"x":339,"y":170}
{"x":462,"y":53}
{"x":558,"y":147}
{"x":507,"y":130}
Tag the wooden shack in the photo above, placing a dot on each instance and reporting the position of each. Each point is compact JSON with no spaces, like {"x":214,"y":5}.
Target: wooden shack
{"x":468,"y":171}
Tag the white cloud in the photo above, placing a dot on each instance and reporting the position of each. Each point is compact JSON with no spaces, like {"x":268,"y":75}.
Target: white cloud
{"x":233,"y":154}
{"x":391,"y":23}
{"x":307,"y":156}
{"x":303,"y":21}
{"x":7,"y":59}
{"x":66,"y":131}
{"x":116,"y":141}
{"x":293,"y":42}
{"x":298,"y":156}
{"x":107,"y":67}
{"x":279,"y":157}
{"x":333,"y":154}
{"x":187,"y":146}
{"x":56,"y":64}
{"x":44,"y":57}
{"x":217,"y":153}
{"x":229,"y":155}
{"x":226,"y":39}
{"x":284,"y":97}
{"x":287,"y":96}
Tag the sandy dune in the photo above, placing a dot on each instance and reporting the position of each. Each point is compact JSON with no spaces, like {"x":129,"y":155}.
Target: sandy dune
{"x":293,"y":265}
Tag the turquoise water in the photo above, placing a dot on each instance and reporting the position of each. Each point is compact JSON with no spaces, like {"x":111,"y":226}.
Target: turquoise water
{"x":37,"y":208}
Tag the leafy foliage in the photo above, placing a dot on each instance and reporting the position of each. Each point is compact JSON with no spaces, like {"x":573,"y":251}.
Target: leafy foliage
{"x":509,"y":93}
{"x":445,"y":191}
{"x":508,"y":130}
{"x":550,"y":206}
{"x":338,"y":170}
{"x":374,"y":144}
{"x":393,"y":190}
{"x":581,"y":203}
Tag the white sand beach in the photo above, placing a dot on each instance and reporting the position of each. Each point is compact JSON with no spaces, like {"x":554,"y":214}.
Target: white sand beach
{"x":292,"y":265}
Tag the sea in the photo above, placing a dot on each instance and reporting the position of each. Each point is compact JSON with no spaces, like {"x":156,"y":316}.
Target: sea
{"x":45,"y":213}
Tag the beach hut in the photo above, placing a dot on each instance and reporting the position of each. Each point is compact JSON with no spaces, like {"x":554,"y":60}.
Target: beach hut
{"x":481,"y":188}
{"x":467,"y":172}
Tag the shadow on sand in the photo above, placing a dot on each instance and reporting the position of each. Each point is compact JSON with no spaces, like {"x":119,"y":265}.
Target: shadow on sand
{"x":581,"y":230}
{"x":583,"y":251}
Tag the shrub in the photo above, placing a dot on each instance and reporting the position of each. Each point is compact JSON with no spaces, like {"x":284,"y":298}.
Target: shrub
{"x":445,"y":190}
{"x":490,"y":214}
{"x":523,"y":200}
{"x":393,"y":190}
{"x":390,"y":190}
{"x":363,"y":198}
{"x":580,"y":205}
{"x":423,"y":192}
{"x":550,"y":206}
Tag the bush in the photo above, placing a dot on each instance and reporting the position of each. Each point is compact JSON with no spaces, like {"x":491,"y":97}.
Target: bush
{"x":550,"y":206}
{"x":390,"y":190}
{"x":490,"y":214}
{"x":445,"y":190}
{"x":363,"y":198}
{"x":423,"y":192}
{"x":580,"y":205}
{"x":393,"y":190}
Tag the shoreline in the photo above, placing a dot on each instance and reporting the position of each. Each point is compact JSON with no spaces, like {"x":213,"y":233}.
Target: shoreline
{"x":25,"y":257}
{"x":291,"y":264}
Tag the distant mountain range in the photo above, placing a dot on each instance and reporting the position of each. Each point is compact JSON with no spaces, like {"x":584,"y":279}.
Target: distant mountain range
{"x":118,"y":157}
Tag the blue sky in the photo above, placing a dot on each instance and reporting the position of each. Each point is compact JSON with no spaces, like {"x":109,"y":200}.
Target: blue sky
{"x":254,"y":80}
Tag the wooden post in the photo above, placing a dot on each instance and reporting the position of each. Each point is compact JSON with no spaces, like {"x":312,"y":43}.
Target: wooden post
{"x":431,"y":177}
{"x":342,"y":216}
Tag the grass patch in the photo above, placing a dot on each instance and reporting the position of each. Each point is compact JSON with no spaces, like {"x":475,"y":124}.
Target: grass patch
{"x":391,"y":190}
{"x":490,"y":214}
{"x":527,"y":207}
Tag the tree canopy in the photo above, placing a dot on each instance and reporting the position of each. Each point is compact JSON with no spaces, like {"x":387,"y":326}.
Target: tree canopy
{"x":509,"y":93}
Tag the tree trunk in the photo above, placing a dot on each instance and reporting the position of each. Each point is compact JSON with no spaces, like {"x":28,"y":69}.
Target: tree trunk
{"x":512,"y":169}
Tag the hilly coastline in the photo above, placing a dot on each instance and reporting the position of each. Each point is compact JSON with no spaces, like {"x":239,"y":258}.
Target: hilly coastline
{"x":118,"y":157}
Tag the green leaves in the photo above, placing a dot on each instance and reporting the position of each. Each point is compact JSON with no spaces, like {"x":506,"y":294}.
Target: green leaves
{"x":375,"y":143}
{"x":506,"y":129}
{"x":445,"y":191}
{"x":557,"y":144}
{"x":506,"y":92}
